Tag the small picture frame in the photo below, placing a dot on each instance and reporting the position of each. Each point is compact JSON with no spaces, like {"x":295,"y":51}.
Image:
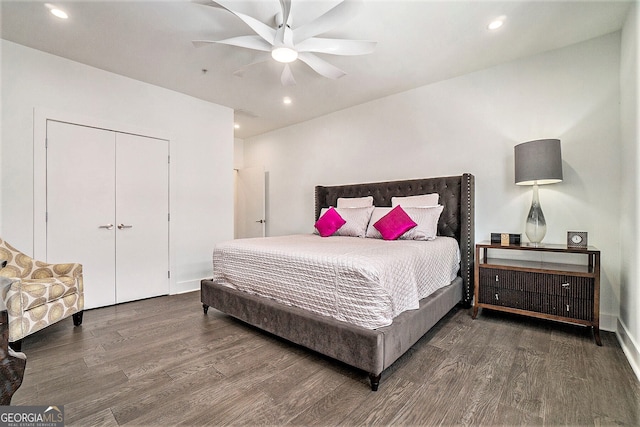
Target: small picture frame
{"x":577,"y":239}
{"x":505,"y":239}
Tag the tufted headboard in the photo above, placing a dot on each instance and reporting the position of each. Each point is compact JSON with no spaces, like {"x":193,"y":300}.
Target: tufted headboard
{"x":457,"y":195}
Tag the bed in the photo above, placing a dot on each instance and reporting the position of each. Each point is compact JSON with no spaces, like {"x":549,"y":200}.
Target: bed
{"x":371,"y":350}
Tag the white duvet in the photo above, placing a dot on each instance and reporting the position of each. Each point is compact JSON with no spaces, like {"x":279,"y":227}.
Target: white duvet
{"x":366,"y":282}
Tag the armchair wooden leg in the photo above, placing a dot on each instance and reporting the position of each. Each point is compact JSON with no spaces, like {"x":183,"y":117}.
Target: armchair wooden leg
{"x":77,"y":318}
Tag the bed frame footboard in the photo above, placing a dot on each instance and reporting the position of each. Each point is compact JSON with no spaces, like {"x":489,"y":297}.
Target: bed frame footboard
{"x":371,"y":350}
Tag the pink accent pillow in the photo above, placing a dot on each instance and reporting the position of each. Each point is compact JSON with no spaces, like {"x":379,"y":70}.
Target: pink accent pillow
{"x":394,"y":224}
{"x":329,"y":223}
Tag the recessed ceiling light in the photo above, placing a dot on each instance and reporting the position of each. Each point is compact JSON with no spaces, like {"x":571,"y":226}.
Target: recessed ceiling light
{"x":236,"y":126}
{"x":496,"y":23}
{"x":57,"y":12}
{"x":286,"y":100}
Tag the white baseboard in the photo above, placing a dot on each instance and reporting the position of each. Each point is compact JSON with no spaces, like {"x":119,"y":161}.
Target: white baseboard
{"x":630,"y":347}
{"x":186,"y":286}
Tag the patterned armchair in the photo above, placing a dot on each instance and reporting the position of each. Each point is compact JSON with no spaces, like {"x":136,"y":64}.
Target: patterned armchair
{"x":42,"y":295}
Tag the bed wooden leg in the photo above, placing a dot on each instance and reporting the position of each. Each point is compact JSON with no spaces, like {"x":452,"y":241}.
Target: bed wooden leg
{"x":205,"y":307}
{"x":375,"y":381}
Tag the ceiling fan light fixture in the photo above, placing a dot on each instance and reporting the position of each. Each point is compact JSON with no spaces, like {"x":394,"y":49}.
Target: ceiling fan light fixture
{"x":284,"y":54}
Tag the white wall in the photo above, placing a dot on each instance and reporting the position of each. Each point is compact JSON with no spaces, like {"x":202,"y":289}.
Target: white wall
{"x":201,"y":140}
{"x":471,"y":124}
{"x":238,"y":163}
{"x":629,"y":328}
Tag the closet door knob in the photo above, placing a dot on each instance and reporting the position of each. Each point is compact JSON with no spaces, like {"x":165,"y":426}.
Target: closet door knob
{"x":107,"y":226}
{"x":121,"y":226}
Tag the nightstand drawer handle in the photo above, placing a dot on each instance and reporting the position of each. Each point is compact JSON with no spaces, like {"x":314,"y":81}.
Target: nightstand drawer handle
{"x":497,"y":280}
{"x":567,"y":307}
{"x":497,"y":299}
{"x":566,"y":285}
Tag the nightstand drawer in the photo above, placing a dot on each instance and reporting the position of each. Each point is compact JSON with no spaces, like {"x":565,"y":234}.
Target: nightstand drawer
{"x":574,"y":308}
{"x":531,"y":301}
{"x":543,"y":283}
{"x":500,"y":296}
{"x":557,"y":305}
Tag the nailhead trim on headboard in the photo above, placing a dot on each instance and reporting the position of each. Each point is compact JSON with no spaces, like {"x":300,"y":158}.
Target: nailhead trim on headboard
{"x":457,"y":195}
{"x":467,"y":250}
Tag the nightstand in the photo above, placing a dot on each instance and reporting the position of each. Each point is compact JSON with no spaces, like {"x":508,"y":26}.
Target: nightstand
{"x":562,"y":292}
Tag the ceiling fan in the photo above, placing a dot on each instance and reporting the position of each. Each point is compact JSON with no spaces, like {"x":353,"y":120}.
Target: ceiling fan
{"x":286,"y":44}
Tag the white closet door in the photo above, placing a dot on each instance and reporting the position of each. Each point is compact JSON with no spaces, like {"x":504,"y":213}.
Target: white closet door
{"x":81,"y":205}
{"x":142,"y":209}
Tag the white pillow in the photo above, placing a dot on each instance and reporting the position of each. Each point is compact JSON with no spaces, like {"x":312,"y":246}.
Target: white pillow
{"x":355,"y":202}
{"x":427,"y":220}
{"x":357,"y":221}
{"x":416,"y":201}
{"x":377,"y":213}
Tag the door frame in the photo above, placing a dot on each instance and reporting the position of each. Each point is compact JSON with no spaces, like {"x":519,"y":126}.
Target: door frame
{"x":40,"y":118}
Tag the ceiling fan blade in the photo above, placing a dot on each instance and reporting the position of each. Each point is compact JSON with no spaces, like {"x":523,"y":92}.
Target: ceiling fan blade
{"x":249,"y":42}
{"x":334,"y":17}
{"x":321,"y":66}
{"x":286,"y":78}
{"x":336,"y":46}
{"x":260,"y":28}
{"x":283,"y":33}
{"x":259,"y":60}
{"x":286,"y":11}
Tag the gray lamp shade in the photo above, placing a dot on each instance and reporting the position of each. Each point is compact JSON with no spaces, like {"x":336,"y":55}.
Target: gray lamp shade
{"x":538,"y":161}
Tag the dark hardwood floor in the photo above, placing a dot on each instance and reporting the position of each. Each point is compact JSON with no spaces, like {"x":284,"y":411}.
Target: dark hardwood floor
{"x":163,"y":362}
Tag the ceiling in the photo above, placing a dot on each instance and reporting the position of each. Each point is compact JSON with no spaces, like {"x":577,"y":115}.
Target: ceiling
{"x":419,"y":42}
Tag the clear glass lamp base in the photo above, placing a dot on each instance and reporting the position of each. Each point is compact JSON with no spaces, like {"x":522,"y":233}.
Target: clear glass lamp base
{"x":536,"y":226}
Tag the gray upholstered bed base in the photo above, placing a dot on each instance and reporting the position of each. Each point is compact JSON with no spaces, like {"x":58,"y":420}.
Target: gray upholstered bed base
{"x":370,"y":350}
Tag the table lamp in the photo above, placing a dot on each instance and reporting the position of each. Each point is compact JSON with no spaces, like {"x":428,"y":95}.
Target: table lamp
{"x":537,"y":162}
